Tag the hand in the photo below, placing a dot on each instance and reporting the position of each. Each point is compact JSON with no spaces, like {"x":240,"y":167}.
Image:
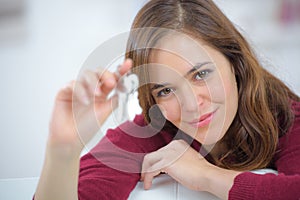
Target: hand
{"x":179,"y":161}
{"x":81,"y":108}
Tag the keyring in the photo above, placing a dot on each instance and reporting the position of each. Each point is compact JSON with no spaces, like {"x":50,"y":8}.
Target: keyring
{"x":126,"y":86}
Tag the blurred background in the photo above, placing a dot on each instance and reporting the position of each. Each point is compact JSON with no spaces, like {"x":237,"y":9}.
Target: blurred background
{"x":43,"y":45}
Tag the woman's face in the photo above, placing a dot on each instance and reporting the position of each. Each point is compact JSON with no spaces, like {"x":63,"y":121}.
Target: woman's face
{"x":194,"y":86}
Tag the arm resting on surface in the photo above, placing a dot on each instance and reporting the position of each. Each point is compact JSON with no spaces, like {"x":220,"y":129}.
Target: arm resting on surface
{"x":286,"y":184}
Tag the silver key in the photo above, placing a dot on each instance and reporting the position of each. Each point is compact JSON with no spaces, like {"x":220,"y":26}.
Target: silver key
{"x":126,"y":86}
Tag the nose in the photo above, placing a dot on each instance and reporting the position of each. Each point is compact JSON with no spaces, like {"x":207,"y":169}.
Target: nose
{"x":192,"y":98}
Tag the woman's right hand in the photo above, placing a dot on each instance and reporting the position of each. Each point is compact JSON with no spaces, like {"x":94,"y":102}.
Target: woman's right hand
{"x":80,"y":109}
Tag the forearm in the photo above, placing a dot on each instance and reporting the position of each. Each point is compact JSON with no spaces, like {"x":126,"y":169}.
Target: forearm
{"x":59,"y":179}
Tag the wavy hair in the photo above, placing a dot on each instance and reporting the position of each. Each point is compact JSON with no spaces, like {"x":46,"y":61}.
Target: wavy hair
{"x":264,"y":109}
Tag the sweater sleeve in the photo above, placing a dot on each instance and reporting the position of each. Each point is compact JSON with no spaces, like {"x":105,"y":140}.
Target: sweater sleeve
{"x":107,"y":173}
{"x":285,"y":185}
{"x":112,"y":168}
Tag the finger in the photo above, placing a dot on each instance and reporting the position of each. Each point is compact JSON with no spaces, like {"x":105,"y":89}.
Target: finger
{"x":90,"y":80}
{"x":80,"y":93}
{"x":149,"y":160}
{"x":148,"y":178}
{"x":124,"y":68}
{"x":107,"y":81}
{"x":154,"y":170}
{"x":159,"y":160}
{"x":65,"y":93}
{"x":153,"y":163}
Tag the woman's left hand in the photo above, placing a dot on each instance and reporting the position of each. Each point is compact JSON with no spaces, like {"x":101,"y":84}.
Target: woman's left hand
{"x":179,"y":161}
{"x":188,"y":167}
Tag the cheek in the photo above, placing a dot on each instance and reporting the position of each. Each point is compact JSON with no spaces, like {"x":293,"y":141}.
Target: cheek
{"x":231,"y":93}
{"x":171,"y":110}
{"x":223,"y":92}
{"x":230,"y":100}
{"x":217,"y":92}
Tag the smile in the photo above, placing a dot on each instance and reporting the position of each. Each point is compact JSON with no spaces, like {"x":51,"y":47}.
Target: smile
{"x":203,"y":121}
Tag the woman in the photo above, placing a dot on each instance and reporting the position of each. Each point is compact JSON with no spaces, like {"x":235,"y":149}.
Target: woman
{"x":211,"y":113}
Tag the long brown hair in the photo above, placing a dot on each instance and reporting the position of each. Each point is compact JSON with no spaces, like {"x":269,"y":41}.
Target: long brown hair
{"x":264,"y":109}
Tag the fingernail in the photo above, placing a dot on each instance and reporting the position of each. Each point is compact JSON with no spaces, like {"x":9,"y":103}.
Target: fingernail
{"x":86,"y":100}
{"x":97,"y":92}
{"x":128,"y":60}
{"x":67,"y":86}
{"x":111,"y":80}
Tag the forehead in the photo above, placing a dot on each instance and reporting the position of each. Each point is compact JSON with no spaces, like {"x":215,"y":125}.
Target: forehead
{"x":174,"y":55}
{"x":180,"y":47}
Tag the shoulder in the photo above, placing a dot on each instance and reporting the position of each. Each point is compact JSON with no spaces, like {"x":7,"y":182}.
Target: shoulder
{"x":292,"y":137}
{"x":287,"y":157}
{"x":295,"y":127}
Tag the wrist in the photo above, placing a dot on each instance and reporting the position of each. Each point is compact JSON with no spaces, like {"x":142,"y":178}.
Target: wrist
{"x":220,"y":181}
{"x":62,"y":151}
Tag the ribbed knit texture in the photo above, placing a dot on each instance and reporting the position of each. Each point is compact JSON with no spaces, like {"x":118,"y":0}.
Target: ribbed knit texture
{"x":285,"y":185}
{"x":106,"y":172}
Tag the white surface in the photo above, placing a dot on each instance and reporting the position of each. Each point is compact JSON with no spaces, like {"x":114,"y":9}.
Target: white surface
{"x":264,"y":171}
{"x":17,"y":189}
{"x":164,"y":187}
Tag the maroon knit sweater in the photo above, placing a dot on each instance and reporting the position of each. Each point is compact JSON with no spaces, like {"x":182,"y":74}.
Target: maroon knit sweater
{"x":111,"y":169}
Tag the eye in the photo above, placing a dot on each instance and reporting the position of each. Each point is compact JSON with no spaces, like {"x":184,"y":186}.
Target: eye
{"x":164,"y":92}
{"x":200,"y":75}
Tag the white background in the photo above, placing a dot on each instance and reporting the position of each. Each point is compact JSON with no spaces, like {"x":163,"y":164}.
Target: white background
{"x":44,"y":47}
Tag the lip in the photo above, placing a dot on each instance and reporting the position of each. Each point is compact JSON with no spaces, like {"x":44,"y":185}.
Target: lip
{"x":203,"y":121}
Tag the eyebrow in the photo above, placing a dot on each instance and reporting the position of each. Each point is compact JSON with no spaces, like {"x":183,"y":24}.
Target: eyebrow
{"x":194,"y":68}
{"x":157,"y":86}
